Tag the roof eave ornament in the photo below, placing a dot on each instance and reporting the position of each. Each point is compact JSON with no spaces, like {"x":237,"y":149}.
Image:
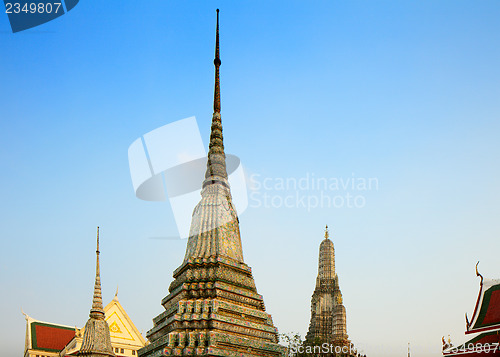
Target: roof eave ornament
{"x":25,"y":314}
{"x":467,"y":322}
{"x":478,"y":274}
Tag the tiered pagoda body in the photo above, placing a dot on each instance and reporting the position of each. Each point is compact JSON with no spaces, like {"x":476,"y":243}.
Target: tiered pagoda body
{"x":213,"y":308}
{"x":328,"y":314}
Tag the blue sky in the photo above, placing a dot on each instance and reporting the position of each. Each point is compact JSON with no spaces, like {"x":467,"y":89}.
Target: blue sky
{"x":404,"y":92}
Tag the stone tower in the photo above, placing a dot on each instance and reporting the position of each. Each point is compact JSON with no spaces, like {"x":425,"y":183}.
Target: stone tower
{"x":213,"y":308}
{"x":96,"y":339}
{"x":328,"y":315}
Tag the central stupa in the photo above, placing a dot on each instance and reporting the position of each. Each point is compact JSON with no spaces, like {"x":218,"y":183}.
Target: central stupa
{"x":213,"y":308}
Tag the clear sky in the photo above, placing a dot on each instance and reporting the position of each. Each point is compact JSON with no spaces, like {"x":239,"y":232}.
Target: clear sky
{"x":406,"y":92}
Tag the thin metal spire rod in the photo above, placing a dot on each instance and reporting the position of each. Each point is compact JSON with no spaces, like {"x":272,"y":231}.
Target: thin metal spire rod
{"x":217,"y":64}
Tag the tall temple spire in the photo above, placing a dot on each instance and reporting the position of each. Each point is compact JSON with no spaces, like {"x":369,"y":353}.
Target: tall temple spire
{"x":216,"y":164}
{"x":213,"y":308}
{"x":96,"y":338}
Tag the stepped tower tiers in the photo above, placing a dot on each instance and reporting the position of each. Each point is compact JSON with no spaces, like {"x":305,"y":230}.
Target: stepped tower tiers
{"x":96,"y":338}
{"x":328,"y":315}
{"x":213,"y":308}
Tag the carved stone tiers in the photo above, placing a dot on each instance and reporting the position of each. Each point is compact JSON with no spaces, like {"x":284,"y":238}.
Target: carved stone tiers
{"x":213,"y":309}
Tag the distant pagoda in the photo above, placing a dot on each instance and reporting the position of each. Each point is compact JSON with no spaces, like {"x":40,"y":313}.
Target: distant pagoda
{"x":96,"y":337}
{"x":328,"y":314}
{"x":213,"y":308}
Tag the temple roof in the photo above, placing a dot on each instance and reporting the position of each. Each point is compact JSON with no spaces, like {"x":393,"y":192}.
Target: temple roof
{"x":47,"y":336}
{"x":486,"y":316}
{"x":123,"y":331}
{"x":121,"y":327}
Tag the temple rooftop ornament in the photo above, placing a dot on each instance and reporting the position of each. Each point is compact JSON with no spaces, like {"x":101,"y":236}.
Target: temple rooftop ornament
{"x":485,"y":323}
{"x":213,"y":308}
{"x":96,"y":338}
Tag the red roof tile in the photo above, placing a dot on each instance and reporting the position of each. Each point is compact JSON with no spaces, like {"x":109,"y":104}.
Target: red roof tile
{"x":50,"y":337}
{"x":492,"y":316}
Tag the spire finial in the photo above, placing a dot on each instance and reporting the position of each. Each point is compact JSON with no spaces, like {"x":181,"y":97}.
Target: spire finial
{"x":97,"y":310}
{"x":217,"y":64}
{"x":327,"y":235}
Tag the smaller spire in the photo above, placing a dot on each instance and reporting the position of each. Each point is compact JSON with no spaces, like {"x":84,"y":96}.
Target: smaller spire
{"x":327,"y":235}
{"x":97,"y":310}
{"x":96,"y":337}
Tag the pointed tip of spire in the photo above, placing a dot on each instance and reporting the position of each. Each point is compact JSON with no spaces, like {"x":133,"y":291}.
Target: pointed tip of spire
{"x":97,"y":251}
{"x":327,"y":234}
{"x":217,"y":63}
